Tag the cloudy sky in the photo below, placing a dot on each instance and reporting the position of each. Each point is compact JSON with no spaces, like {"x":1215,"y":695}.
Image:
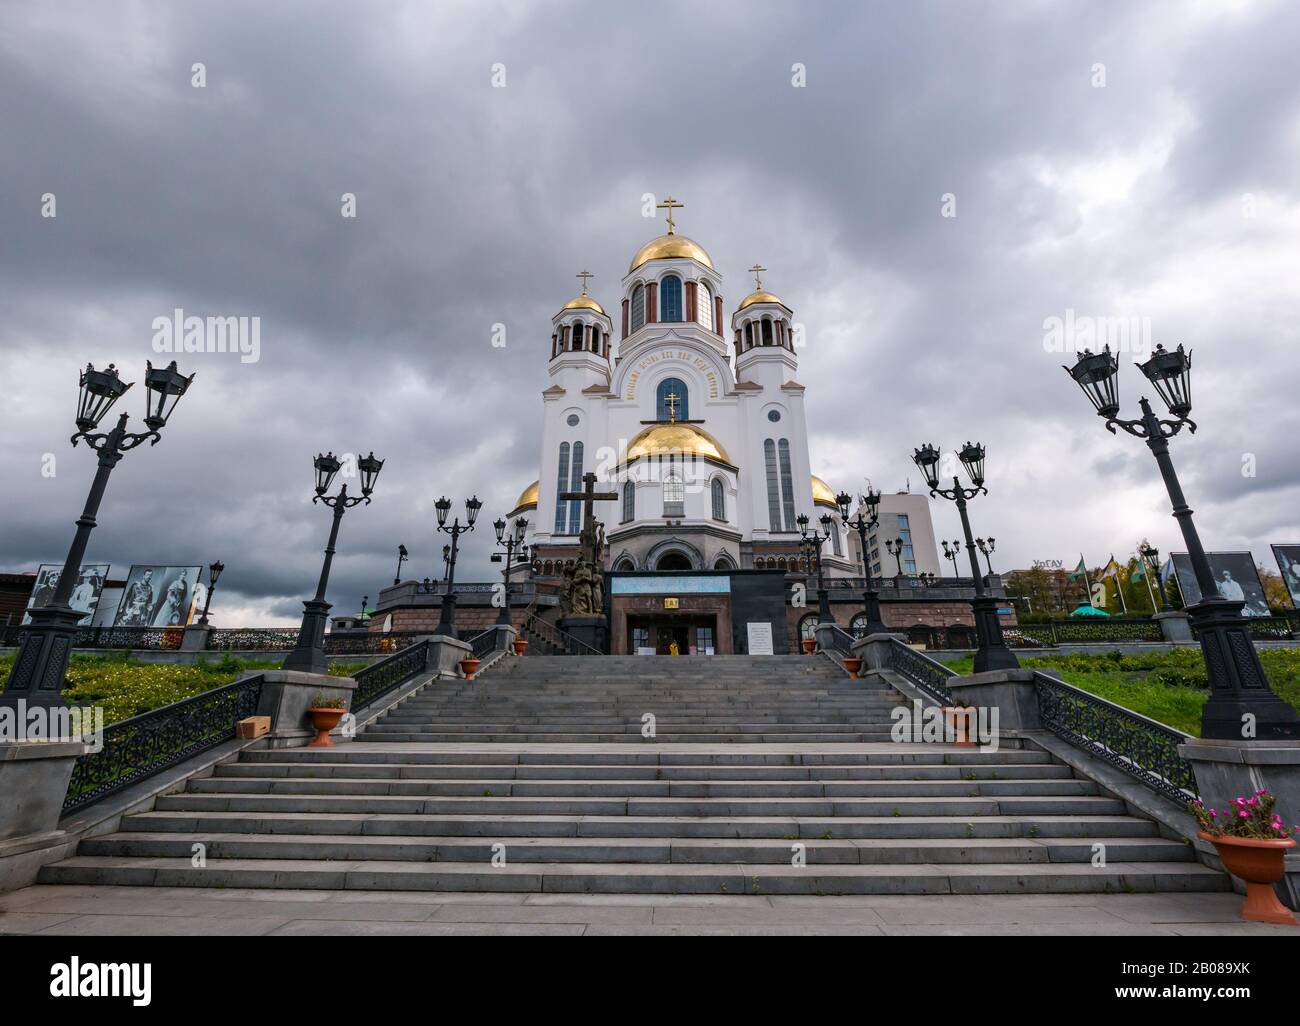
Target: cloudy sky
{"x":1113,"y":159}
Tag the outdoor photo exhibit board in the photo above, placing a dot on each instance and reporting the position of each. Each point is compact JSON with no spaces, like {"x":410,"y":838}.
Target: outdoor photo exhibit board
{"x":1288,"y":565}
{"x":85,"y":593}
{"x":158,"y":596}
{"x":1235,"y":575}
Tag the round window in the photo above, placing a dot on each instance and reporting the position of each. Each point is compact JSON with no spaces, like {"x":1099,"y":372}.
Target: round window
{"x":773,"y":415}
{"x":573,"y":420}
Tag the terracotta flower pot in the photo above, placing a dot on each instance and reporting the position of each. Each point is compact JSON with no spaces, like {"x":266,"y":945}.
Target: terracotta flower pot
{"x":469,"y":667}
{"x":956,"y":715}
{"x":1261,"y":864}
{"x":323,"y":721}
{"x":853,"y":665}
{"x":808,"y":645}
{"x":520,"y":646}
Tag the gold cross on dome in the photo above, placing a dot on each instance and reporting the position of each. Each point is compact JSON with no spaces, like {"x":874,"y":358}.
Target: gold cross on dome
{"x":669,"y":203}
{"x":756,"y":270}
{"x":671,"y":399}
{"x":584,"y":275}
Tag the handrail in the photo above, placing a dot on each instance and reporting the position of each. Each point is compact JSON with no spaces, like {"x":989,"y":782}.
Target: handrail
{"x":927,"y":674}
{"x":558,"y":639}
{"x":841,"y":640}
{"x":1145,"y":749}
{"x":390,"y":673}
{"x":143,"y":745}
{"x":481,"y":644}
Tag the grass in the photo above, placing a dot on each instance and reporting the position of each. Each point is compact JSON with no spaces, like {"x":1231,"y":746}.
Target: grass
{"x":127,"y":687}
{"x":1168,"y":686}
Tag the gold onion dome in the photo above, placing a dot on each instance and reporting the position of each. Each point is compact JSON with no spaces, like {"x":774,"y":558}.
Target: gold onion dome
{"x":670,"y":246}
{"x":584,"y":303}
{"x":822,"y":494}
{"x":528,"y":498}
{"x":761,"y":297}
{"x":676,"y":440}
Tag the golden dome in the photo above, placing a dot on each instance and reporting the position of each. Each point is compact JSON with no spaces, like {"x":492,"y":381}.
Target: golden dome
{"x":584,"y":303}
{"x":676,"y":440}
{"x":760,"y":297}
{"x":528,"y":498}
{"x":822,"y":494}
{"x":667,"y":246}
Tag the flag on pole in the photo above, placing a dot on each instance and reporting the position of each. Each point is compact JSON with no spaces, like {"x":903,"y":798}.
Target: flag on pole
{"x":1080,"y":572}
{"x":1112,"y":570}
{"x":1138,"y":572}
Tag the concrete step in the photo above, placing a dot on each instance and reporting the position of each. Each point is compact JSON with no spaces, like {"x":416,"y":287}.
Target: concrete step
{"x":495,"y":737}
{"x":624,"y":878}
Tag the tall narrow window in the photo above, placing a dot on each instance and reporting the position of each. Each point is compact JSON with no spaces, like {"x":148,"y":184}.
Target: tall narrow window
{"x":629,"y":501}
{"x":562,"y":485}
{"x":575,"y":476}
{"x":773,"y":486}
{"x":674,"y":494}
{"x":670,"y":298}
{"x":787,"y":485}
{"x":719,"y":500}
{"x":638,"y":307}
{"x":767,"y":332}
{"x":749,"y":334}
{"x":835,"y":538}
{"x":577,"y":337}
{"x":672,"y":400}
{"x":704,"y":302}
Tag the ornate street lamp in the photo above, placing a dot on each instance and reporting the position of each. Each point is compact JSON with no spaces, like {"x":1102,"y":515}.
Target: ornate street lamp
{"x":1240,"y":695}
{"x":309,"y":653}
{"x":214,"y":572}
{"x":45,"y":644}
{"x":447,"y":620}
{"x":512,"y":540}
{"x":992,"y":653}
{"x":895,"y":548}
{"x":951,"y":555}
{"x":870,"y":599}
{"x":987,"y":547}
{"x":814,"y":540}
{"x":401,"y":558}
{"x":1151,"y":559}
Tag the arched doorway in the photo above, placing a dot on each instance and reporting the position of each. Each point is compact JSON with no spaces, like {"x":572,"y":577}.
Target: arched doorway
{"x":673,"y":561}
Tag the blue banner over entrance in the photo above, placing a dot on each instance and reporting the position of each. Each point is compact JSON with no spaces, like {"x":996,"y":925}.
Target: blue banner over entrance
{"x":670,"y":584}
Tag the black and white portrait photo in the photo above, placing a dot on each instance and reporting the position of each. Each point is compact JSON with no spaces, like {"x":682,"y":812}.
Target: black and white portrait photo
{"x":86,"y":590}
{"x":158,"y":596}
{"x":1235,"y":576}
{"x":1288,"y":564}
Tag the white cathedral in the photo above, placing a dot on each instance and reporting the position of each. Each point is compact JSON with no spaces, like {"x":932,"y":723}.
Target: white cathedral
{"x":703,"y":440}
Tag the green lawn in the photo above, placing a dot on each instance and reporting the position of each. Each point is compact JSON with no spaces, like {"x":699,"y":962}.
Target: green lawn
{"x":126,"y":687}
{"x":1168,"y":686}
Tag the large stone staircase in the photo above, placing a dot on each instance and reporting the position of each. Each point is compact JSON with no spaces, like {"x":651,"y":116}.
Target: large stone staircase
{"x":767,"y":775}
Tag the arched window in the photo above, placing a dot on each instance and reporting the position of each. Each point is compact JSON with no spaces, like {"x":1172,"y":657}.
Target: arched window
{"x":638,"y":307}
{"x":575,"y":477}
{"x":561,"y":486}
{"x":680,"y":405}
{"x":808,"y":627}
{"x":629,"y":501}
{"x":674,"y":494}
{"x":858,"y":625}
{"x":767,"y":331}
{"x":704,"y":304}
{"x":835,"y":538}
{"x":773,"y":486}
{"x":719,"y":500}
{"x":670,"y":298}
{"x":577,"y":337}
{"x":749,"y":334}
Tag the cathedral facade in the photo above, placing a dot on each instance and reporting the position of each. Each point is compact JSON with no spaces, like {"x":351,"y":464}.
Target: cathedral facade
{"x":690,"y":414}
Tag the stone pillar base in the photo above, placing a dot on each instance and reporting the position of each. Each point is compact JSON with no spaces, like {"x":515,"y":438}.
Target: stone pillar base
{"x":195,"y":638}
{"x":445,"y":654}
{"x":1011,"y":692}
{"x":34,"y":779}
{"x":286,"y":697}
{"x":1237,"y":769}
{"x":873,"y":650}
{"x":591,"y":630}
{"x":1175,"y":627}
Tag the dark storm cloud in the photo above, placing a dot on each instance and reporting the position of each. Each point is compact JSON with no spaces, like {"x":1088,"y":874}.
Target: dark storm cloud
{"x":476,"y":206}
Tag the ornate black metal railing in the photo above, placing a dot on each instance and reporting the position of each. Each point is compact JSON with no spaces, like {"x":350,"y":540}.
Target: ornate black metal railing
{"x":151,"y":742}
{"x":378,"y":679}
{"x":836,"y":638}
{"x":553,"y":639}
{"x":1098,"y":630}
{"x":483,"y":645}
{"x":252,"y":639}
{"x":1144,"y":749}
{"x":1272,"y":627}
{"x":370,"y":642}
{"x":927,"y":674}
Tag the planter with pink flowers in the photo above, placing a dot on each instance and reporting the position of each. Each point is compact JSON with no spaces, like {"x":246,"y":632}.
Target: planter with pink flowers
{"x":1252,"y":841}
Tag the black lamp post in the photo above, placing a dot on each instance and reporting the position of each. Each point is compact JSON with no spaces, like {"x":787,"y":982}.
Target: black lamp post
{"x":446,"y":562}
{"x":895,"y":548}
{"x":815,"y":539}
{"x":1240,"y":696}
{"x":447,"y":621}
{"x":401,"y":558}
{"x":951,"y":554}
{"x":512,"y":541}
{"x":870,"y":599}
{"x":44,"y":646}
{"x":987,"y":547}
{"x":309,"y":653}
{"x":214,"y":572}
{"x":992,"y":653}
{"x":1151,"y":558}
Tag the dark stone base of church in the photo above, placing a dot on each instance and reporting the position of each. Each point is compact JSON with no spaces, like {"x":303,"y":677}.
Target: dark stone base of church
{"x":592,"y":631}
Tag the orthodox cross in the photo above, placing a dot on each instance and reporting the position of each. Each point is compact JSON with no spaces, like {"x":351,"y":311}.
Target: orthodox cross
{"x":756,"y":270}
{"x":671,"y":400}
{"x":669,"y":203}
{"x":584,"y":275}
{"x":588,"y":496}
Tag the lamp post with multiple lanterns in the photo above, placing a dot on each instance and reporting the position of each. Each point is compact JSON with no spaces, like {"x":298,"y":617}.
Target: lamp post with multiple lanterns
{"x":987,"y":546}
{"x":951,"y":554}
{"x":401,"y":558}
{"x":1241,"y":703}
{"x":512,"y":540}
{"x":1151,"y":559}
{"x":42,"y":659}
{"x":870,"y":599}
{"x":894,"y":547}
{"x":214,"y":572}
{"x":308,"y":655}
{"x":814,"y":540}
{"x":447,"y":619}
{"x":992,"y":653}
